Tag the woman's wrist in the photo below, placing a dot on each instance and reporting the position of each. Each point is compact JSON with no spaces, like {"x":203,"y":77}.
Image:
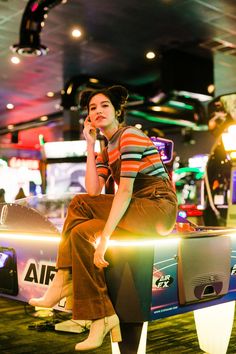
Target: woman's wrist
{"x":105,"y":237}
{"x":90,"y":145}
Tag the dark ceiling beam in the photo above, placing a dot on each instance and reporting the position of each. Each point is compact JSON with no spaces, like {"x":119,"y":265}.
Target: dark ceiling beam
{"x":54,"y":118}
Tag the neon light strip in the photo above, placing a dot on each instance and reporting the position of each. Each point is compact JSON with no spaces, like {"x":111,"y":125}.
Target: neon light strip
{"x":143,"y":242}
{"x":56,"y":239}
{"x":29,"y":237}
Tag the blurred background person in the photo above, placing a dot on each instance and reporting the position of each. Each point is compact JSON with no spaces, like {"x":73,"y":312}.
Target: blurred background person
{"x":2,"y":195}
{"x":20,"y":194}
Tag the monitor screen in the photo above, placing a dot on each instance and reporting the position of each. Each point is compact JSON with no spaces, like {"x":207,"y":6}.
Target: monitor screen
{"x":233,"y":187}
{"x":165,"y":148}
{"x":67,"y":149}
{"x":65,"y":177}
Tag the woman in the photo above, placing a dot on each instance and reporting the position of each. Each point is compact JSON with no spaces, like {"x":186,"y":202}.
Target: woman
{"x":144,"y":193}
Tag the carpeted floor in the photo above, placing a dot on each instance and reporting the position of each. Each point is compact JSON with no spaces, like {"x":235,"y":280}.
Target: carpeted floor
{"x":21,"y":333}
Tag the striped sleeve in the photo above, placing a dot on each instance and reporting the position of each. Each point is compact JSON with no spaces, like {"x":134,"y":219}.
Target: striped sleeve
{"x":102,"y":166}
{"x":132,"y":146}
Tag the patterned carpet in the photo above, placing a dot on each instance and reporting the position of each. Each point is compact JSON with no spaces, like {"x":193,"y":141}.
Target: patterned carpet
{"x":168,"y":336}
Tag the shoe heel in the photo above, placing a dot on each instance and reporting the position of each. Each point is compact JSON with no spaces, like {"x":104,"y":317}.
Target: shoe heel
{"x":69,"y":302}
{"x":115,"y":334}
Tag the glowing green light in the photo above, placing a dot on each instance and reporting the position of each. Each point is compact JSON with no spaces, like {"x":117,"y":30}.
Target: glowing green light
{"x":164,"y":120}
{"x":180,"y":105}
{"x":199,"y":173}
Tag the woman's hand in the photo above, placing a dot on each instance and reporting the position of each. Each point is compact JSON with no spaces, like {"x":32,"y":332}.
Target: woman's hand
{"x":89,"y":131}
{"x":99,"y":254}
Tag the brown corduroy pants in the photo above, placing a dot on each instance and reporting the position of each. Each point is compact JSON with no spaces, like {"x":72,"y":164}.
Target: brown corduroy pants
{"x":87,"y":216}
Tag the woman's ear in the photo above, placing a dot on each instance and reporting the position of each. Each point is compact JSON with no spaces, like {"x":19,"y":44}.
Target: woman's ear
{"x":118,"y":112}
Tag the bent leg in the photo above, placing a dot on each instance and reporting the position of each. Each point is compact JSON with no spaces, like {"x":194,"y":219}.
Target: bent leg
{"x":81,"y":209}
{"x":91,"y":300}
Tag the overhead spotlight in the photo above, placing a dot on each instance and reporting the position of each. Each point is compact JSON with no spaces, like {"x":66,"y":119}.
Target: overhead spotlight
{"x":150,"y":55}
{"x":31,"y":26}
{"x":76,"y":33}
{"x":50,"y":94}
{"x":10,"y":106}
{"x":93,"y":80}
{"x":15,"y":60}
{"x":43,"y":118}
{"x":211,"y":89}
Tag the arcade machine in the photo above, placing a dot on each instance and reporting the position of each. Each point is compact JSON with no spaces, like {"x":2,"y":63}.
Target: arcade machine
{"x":189,"y":184}
{"x":147,"y":280}
{"x":64,"y":166}
{"x":229,"y":142}
{"x":63,"y":170}
{"x":222,"y":114}
{"x":19,"y":168}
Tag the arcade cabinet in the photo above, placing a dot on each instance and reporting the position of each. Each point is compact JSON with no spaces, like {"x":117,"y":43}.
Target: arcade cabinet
{"x":229,"y":141}
{"x":63,"y":167}
{"x":147,"y":279}
{"x":189,"y":184}
{"x":222,"y":114}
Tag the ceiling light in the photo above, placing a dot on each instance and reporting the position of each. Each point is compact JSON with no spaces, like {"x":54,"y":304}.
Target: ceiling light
{"x":93,"y":80}
{"x":76,"y":33}
{"x":211,"y":89}
{"x":50,"y":94}
{"x":44,"y":118}
{"x":10,"y":106}
{"x":150,"y":55}
{"x":156,"y":108}
{"x":15,"y":60}
{"x":69,"y":89}
{"x":10,"y":126}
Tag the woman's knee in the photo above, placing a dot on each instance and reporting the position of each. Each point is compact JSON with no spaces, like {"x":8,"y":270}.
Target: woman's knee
{"x":77,"y":199}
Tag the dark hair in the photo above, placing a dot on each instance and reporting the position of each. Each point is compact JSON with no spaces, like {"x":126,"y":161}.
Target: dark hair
{"x":117,"y":94}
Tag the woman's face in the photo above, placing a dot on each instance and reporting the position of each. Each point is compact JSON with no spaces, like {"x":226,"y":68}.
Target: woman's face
{"x":101,"y":112}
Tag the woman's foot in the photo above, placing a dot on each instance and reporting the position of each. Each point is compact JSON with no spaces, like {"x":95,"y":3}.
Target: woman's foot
{"x":74,"y":326}
{"x":60,"y":287}
{"x":98,"y":331}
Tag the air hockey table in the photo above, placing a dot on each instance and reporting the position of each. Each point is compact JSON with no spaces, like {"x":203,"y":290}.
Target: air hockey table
{"x":188,"y":270}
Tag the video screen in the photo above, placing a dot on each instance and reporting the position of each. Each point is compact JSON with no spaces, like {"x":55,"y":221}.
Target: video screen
{"x":65,"y":177}
{"x":165,"y":148}
{"x":234,"y":188}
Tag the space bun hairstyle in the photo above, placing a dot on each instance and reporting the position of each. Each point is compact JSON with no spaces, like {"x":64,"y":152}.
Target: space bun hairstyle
{"x":117,"y":94}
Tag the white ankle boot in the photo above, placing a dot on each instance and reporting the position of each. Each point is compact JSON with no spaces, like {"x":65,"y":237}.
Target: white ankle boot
{"x":74,"y":326}
{"x":60,"y":287}
{"x":98,"y":331}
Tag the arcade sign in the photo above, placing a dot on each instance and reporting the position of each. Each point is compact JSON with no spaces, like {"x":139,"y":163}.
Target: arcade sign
{"x":165,"y":148}
{"x":64,"y":149}
{"x":31,"y":164}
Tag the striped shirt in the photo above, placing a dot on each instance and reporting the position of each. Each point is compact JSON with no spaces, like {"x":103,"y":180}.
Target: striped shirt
{"x":137,"y":152}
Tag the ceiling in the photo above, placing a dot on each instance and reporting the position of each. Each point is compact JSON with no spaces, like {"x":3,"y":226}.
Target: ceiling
{"x":115,"y":37}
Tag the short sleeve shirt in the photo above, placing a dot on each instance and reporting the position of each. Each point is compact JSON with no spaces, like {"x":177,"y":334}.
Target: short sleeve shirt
{"x":137,"y":152}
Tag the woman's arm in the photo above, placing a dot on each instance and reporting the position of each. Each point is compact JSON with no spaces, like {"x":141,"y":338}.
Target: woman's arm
{"x":93,"y":182}
{"x":119,"y":206}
